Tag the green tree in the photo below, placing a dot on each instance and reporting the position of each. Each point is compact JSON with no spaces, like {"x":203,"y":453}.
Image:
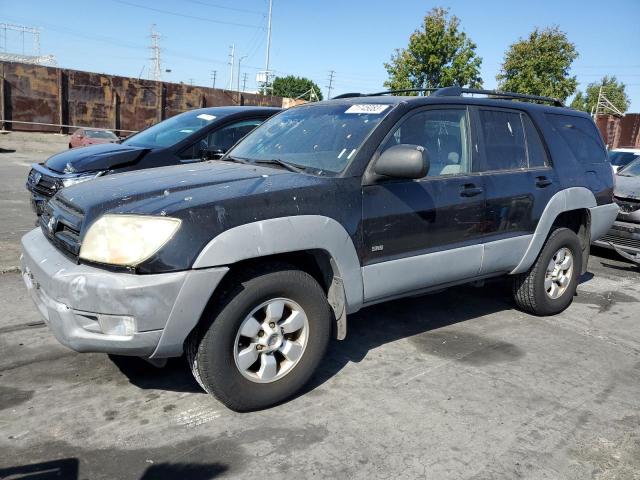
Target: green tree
{"x":439,"y":54}
{"x":539,"y":65}
{"x":615,"y":91}
{"x":294,"y":87}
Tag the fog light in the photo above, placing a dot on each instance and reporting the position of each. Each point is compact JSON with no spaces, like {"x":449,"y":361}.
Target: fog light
{"x":117,"y":325}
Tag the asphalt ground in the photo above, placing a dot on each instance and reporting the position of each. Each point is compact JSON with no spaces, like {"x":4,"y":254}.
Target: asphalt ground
{"x":455,"y":385}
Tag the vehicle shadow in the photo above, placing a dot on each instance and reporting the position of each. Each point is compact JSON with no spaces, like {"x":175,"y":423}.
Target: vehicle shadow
{"x":415,"y":318}
{"x":68,"y":469}
{"x":175,"y":376}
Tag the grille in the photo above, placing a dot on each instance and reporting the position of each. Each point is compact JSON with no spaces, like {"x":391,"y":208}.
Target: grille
{"x":621,"y":241}
{"x":61,"y":223}
{"x":627,"y":205}
{"x":47,"y":186}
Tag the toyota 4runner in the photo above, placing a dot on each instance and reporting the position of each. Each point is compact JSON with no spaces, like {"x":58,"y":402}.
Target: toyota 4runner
{"x":250,"y":263}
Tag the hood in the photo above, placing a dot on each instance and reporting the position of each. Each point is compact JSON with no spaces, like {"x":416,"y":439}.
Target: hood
{"x":95,"y":157}
{"x":169,"y":189}
{"x":209,"y":198}
{"x":627,"y":187}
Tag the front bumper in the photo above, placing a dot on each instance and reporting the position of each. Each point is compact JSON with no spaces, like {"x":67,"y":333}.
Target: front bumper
{"x":72,"y":298}
{"x":624,"y":235}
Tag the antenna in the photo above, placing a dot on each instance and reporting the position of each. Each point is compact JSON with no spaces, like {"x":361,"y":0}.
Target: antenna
{"x":155,"y":54}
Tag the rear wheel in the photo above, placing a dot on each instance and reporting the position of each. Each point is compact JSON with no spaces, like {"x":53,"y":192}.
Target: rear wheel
{"x":264,"y":340}
{"x":550,"y":284}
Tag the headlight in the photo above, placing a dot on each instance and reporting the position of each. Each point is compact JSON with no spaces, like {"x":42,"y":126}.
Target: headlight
{"x":67,"y":182}
{"x":126,"y":239}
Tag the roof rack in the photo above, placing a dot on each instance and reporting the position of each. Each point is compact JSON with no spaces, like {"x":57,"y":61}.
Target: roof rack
{"x":458,"y":91}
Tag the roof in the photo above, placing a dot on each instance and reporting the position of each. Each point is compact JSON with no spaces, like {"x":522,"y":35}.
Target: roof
{"x":453,"y":95}
{"x":230,"y":110}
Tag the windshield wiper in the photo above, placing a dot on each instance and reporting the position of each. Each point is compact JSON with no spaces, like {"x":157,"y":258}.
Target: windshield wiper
{"x":276,"y":161}
{"x":233,"y":159}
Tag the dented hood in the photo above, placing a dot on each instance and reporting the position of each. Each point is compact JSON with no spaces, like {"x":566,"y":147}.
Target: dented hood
{"x":164,"y":189}
{"x":95,"y":158}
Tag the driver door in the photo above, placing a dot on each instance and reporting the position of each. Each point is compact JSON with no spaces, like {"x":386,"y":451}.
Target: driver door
{"x":426,"y":232}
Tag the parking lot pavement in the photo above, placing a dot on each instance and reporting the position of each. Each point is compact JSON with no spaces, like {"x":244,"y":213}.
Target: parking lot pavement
{"x":18,"y":150}
{"x":455,"y":385}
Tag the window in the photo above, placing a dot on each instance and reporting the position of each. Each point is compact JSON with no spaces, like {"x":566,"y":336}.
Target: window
{"x":444,"y":135}
{"x":581,"y":136}
{"x":536,"y":153}
{"x":504,"y":141}
{"x":620,"y":159}
{"x":223,"y":138}
{"x":319,"y":137}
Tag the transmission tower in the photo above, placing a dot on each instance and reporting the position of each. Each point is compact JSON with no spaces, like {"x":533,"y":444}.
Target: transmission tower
{"x":155,"y":68}
{"x":214,"y":74}
{"x":330,"y":86}
{"x":604,"y":106}
{"x":232,"y":59}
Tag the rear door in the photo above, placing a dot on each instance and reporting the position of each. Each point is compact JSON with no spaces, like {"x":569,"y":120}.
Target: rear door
{"x":426,"y":232}
{"x":519,"y":183}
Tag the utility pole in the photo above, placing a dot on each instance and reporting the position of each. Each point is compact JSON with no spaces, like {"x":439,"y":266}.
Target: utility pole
{"x":266,"y":67}
{"x":232,"y":59}
{"x":214,"y":73}
{"x":330,"y":86}
{"x":155,"y":54}
{"x":244,"y":82}
{"x":239,"y":66}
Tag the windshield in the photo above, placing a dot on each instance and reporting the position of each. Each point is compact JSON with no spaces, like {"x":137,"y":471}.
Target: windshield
{"x":631,"y":170}
{"x":101,"y":134}
{"x":172,"y":130}
{"x":620,"y":159}
{"x":322,"y":138}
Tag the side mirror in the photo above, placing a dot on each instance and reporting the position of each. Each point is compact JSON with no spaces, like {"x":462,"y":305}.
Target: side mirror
{"x":403,"y":161}
{"x":212,"y":153}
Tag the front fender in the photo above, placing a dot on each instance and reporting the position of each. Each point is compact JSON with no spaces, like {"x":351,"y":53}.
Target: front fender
{"x":290,"y":234}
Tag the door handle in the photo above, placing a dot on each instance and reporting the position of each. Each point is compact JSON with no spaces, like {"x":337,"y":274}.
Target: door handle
{"x":543,"y":181}
{"x":470,"y":190}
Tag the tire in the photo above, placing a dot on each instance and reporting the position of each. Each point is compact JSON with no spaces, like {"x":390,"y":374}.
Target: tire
{"x":70,"y":146}
{"x":530,"y":291}
{"x":214,"y":352}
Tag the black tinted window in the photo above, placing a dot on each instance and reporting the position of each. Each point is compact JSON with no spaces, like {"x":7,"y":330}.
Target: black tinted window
{"x":581,"y":136}
{"x":535,"y":149}
{"x":504,"y":141}
{"x":224,"y":138}
{"x":444,"y":136}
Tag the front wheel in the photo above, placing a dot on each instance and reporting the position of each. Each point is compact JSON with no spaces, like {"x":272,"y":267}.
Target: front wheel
{"x":550,"y":284}
{"x":264,"y":340}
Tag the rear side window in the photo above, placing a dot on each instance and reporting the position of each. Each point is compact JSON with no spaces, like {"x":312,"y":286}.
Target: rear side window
{"x":535,"y":149}
{"x":505,"y":147}
{"x":581,"y":136}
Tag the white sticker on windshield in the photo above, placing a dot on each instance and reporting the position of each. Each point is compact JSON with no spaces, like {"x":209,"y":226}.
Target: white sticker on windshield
{"x":207,"y":117}
{"x":367,"y":108}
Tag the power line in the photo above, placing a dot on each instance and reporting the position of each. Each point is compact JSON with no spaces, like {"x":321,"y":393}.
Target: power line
{"x":184,"y":15}
{"x":234,"y":9}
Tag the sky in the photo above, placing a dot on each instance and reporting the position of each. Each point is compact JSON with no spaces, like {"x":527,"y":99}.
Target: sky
{"x":352,"y":38}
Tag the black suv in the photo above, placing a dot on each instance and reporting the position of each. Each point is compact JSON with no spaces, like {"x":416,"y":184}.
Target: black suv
{"x":184,"y":138}
{"x":249,"y":264}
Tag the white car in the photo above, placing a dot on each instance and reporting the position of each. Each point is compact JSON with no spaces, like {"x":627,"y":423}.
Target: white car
{"x":621,"y":157}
